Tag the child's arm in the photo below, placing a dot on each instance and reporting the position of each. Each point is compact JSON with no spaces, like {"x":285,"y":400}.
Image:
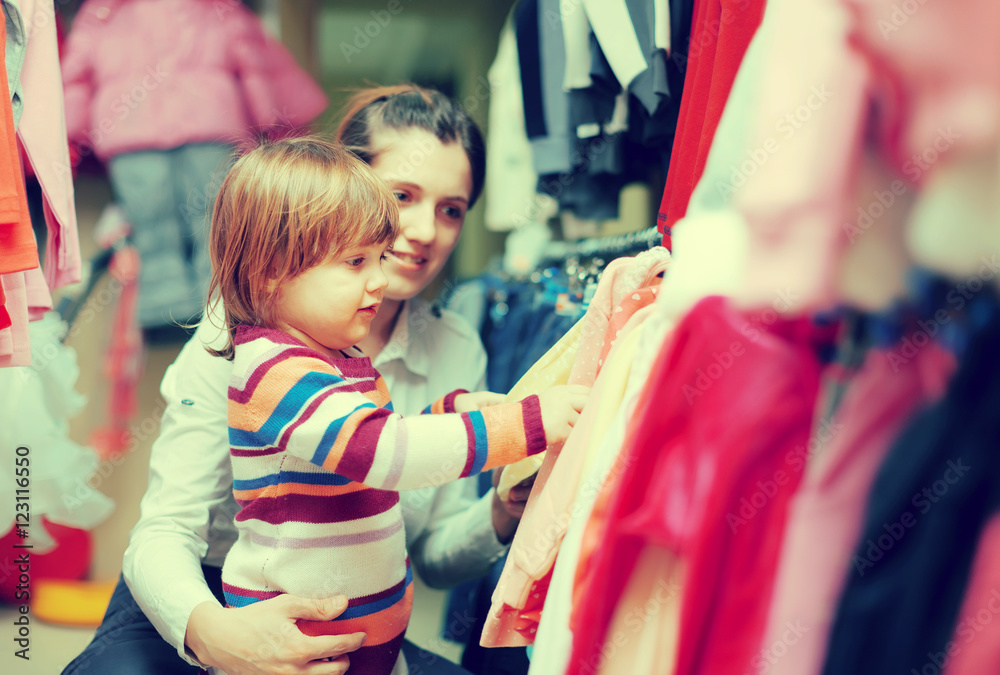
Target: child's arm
{"x":305,"y":407}
{"x":461,"y":401}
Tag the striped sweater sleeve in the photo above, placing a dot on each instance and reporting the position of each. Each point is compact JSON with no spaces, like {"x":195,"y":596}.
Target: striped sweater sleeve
{"x":445,"y":404}
{"x":298,"y":403}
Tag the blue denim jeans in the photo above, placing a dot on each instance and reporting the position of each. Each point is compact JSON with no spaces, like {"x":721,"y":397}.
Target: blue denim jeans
{"x":126,"y":643}
{"x":167,"y":197}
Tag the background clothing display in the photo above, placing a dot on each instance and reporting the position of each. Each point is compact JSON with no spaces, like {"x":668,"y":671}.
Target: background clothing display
{"x":168,"y":146}
{"x":167,"y":195}
{"x":765,"y":233}
{"x":720,"y":33}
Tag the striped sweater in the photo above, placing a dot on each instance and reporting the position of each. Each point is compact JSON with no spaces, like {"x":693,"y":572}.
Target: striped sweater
{"x":317,"y":456}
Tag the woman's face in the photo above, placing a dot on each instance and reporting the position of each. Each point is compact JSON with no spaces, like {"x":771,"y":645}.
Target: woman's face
{"x":432,"y":182}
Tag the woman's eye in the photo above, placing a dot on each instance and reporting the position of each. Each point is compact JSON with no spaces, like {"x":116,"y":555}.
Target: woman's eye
{"x":401,"y":196}
{"x":385,"y":256}
{"x":453,"y":212}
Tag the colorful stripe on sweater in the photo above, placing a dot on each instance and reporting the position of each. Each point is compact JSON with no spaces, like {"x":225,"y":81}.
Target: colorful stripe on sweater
{"x":317,"y":456}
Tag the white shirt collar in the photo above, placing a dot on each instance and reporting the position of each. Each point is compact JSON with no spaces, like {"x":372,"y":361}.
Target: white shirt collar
{"x":412,"y":352}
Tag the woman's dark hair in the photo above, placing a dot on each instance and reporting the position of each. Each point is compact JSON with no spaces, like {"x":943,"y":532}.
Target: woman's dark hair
{"x":405,"y":106}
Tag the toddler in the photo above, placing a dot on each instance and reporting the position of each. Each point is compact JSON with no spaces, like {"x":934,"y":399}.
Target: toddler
{"x":299,"y":230}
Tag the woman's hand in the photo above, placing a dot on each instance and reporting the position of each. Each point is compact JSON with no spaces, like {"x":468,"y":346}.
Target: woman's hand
{"x":263,"y":639}
{"x":507,"y":513}
{"x":477,"y":401}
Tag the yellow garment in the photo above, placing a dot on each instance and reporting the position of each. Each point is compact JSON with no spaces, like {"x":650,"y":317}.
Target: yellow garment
{"x":644,"y":633}
{"x":552,"y":369}
{"x":613,"y":397}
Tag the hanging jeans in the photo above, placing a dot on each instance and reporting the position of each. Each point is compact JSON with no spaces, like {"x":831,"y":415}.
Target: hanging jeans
{"x":167,"y":196}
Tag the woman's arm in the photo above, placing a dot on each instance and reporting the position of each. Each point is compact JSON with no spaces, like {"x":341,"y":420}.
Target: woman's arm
{"x":189,"y":480}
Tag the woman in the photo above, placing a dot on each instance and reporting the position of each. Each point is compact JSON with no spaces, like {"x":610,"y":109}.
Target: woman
{"x":431,"y":154}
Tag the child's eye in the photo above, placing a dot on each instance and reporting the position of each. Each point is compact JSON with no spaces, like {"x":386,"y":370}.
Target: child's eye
{"x":355,"y":262}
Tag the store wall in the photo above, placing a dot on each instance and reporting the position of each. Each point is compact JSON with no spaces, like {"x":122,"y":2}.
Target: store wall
{"x":446,"y":44}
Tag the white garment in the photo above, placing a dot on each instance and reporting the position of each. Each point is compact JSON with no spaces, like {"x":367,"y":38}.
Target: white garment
{"x":511,"y":193}
{"x":36,"y":404}
{"x":554,"y":640}
{"x":188,"y":509}
{"x":613,"y":26}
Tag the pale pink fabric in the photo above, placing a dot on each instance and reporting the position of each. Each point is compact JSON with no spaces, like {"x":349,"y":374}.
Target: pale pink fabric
{"x":827,"y":513}
{"x":15,"y":345}
{"x":159,"y":74}
{"x":620,"y":278}
{"x":42,"y":131}
{"x":806,"y":138}
{"x":937,"y":73}
{"x":975,"y":647}
{"x":37,"y":294}
{"x":523,"y":585}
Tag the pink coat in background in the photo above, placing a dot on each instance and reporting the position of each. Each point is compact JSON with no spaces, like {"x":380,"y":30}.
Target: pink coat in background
{"x":159,"y":74}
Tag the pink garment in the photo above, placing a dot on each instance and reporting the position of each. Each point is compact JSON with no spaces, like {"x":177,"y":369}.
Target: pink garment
{"x":523,"y":586}
{"x":938,"y":76}
{"x":808,"y":128}
{"x":158,"y":74}
{"x":37,"y":294}
{"x":623,"y":313}
{"x":827,"y":514}
{"x":719,"y":412}
{"x":975,"y":649}
{"x":15,"y":345}
{"x":620,"y":278}
{"x":42,"y":131}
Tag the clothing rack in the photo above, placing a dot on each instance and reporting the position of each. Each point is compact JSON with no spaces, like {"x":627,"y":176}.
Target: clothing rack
{"x":609,"y":246}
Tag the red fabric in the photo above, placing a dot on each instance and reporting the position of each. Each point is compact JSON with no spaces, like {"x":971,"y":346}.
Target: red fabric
{"x":721,"y":31}
{"x":123,"y":361}
{"x":713,"y":431}
{"x":975,"y":647}
{"x":4,"y":314}
{"x":17,"y":240}
{"x":70,"y":559}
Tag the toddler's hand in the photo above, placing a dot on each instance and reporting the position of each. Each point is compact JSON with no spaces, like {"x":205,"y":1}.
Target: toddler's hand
{"x":477,"y":401}
{"x":561,"y":406}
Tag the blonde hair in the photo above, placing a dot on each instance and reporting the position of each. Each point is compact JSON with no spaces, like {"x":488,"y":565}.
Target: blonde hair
{"x":283,"y":208}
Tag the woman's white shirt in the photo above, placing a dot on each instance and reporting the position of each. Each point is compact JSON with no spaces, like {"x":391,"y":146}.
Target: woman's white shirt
{"x":188,"y":509}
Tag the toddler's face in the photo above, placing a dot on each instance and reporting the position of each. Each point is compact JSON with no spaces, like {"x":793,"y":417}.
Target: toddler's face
{"x":331,"y":306}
